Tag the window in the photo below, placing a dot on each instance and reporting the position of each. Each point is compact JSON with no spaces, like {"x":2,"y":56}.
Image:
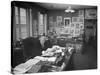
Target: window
{"x":22,"y":16}
{"x":20,"y":21}
{"x":16,"y":15}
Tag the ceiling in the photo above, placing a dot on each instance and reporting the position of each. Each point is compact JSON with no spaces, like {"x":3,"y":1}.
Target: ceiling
{"x":63,"y":6}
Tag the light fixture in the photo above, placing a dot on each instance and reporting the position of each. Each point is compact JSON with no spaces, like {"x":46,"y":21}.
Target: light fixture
{"x":69,"y":10}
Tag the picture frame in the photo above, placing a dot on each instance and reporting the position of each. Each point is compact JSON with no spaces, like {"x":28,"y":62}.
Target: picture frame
{"x":81,"y":13}
{"x":75,"y":19}
{"x":67,"y":21}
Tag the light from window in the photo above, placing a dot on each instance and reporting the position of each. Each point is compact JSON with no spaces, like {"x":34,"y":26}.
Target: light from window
{"x":22,"y":16}
{"x":16,"y":15}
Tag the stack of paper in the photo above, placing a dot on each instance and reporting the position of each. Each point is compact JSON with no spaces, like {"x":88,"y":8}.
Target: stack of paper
{"x":24,"y":67}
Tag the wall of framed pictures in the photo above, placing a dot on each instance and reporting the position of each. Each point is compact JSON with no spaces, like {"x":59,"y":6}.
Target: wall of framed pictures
{"x":78,"y":23}
{"x":72,"y":24}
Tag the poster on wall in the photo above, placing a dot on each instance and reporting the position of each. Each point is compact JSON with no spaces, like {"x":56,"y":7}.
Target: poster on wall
{"x":59,"y":21}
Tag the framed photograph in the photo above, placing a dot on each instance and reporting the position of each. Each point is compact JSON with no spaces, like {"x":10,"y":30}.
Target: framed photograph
{"x":81,"y":25}
{"x":81,"y":19}
{"x":74,"y":19}
{"x":67,"y":21}
{"x":81,"y":13}
{"x":72,"y":25}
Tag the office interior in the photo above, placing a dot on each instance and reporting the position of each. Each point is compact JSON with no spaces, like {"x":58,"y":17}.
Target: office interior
{"x":51,"y":37}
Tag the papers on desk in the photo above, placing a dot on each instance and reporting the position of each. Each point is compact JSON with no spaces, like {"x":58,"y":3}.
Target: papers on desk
{"x":47,"y":53}
{"x":41,"y":58}
{"x":24,"y":67}
{"x":52,"y":51}
{"x":50,"y":59}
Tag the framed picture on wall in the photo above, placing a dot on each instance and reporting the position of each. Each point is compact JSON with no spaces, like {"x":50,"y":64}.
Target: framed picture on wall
{"x":59,"y":21}
{"x":74,"y":19}
{"x":81,"y":19}
{"x":81,"y":13}
{"x":67,"y":21}
{"x":77,"y":31}
{"x":72,"y":25}
{"x":81,"y":26}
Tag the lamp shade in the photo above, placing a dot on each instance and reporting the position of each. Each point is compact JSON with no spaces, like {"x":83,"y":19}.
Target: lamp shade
{"x":70,"y":10}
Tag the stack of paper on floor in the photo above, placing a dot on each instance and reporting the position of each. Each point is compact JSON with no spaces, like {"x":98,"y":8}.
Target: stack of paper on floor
{"x":24,"y":67}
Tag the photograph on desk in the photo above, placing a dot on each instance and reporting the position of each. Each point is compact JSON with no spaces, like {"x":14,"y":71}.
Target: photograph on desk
{"x":51,"y":37}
